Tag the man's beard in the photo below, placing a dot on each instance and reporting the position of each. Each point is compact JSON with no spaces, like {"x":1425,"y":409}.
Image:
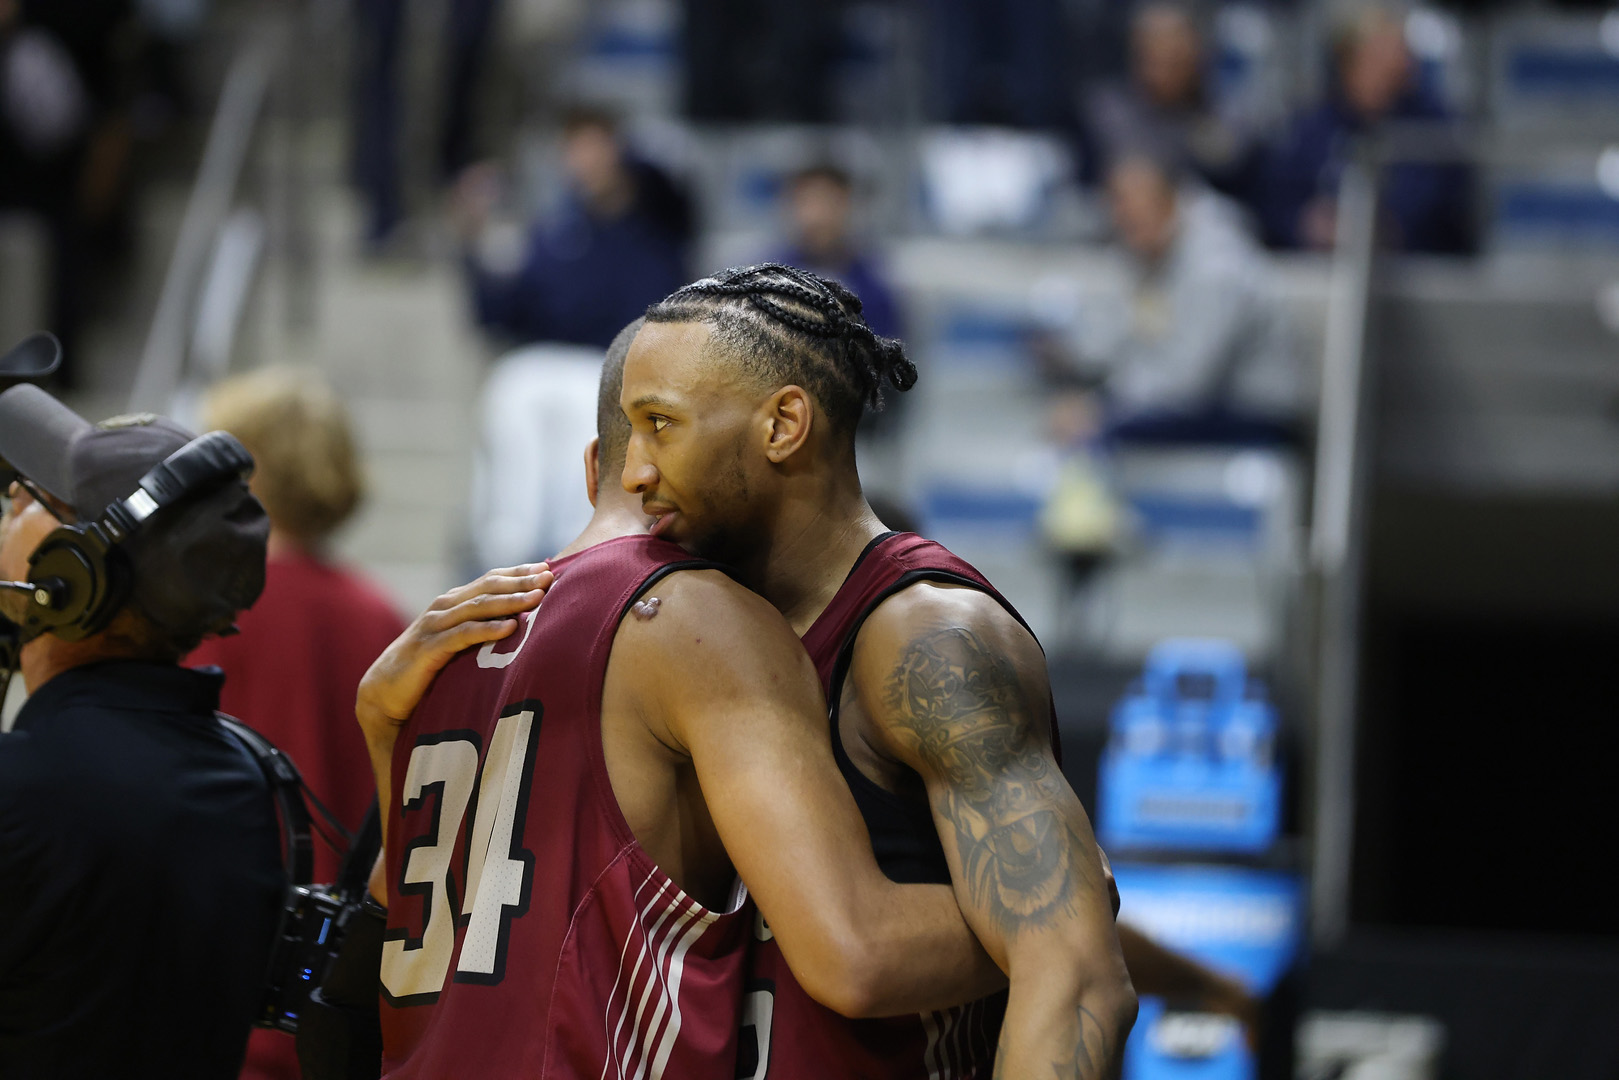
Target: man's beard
{"x":716,"y":543}
{"x":730,"y":535}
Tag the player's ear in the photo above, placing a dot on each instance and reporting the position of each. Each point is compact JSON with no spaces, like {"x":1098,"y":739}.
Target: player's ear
{"x":791,"y":413}
{"x":593,"y":469}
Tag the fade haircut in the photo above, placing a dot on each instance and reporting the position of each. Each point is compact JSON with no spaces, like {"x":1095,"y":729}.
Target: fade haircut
{"x":612,"y":426}
{"x":786,"y":326}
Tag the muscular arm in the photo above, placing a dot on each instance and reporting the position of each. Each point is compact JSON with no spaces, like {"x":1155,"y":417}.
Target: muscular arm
{"x":720,"y":674}
{"x":957,"y":690}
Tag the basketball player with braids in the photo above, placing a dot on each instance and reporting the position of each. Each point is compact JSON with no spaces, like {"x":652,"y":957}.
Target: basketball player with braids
{"x":567,"y":809}
{"x":743,"y":392}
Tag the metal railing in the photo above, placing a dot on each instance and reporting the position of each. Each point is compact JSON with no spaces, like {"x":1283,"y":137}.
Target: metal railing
{"x":1337,"y":550}
{"x":220,"y":245}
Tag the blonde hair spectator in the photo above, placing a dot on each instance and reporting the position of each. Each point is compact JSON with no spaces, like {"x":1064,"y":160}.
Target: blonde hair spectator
{"x":309,"y":476}
{"x":293,"y":670}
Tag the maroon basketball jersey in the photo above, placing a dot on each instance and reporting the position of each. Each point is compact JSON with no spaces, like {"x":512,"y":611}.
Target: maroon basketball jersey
{"x":787,"y":1034}
{"x":528,"y":933}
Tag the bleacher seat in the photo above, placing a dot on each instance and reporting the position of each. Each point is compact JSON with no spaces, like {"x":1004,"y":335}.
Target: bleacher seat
{"x":1554,"y":213}
{"x":1558,"y":67}
{"x":628,"y":56}
{"x":740,"y":173}
{"x":1215,"y":547}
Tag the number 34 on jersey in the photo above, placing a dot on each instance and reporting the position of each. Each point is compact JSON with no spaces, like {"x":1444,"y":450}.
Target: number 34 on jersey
{"x":499,"y":871}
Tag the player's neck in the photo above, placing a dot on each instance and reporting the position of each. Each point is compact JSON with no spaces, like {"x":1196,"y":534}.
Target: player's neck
{"x":614,"y":517}
{"x":815,"y":543}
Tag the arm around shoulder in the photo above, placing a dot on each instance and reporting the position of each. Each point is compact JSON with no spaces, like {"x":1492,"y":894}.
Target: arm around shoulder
{"x":736,"y":691}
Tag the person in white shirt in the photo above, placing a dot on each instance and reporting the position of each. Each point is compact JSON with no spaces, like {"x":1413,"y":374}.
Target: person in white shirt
{"x":1207,"y":353}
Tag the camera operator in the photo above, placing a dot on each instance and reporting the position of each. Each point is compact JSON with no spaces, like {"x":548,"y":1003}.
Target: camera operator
{"x":140,"y":853}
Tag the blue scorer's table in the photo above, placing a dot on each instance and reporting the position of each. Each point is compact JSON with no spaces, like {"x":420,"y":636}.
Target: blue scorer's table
{"x":1190,"y":763}
{"x":1190,"y":773}
{"x":1243,"y":922}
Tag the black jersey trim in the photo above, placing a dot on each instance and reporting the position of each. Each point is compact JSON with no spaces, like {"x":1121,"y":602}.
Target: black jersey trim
{"x":662,"y":572}
{"x":840,"y":671}
{"x":867,"y":550}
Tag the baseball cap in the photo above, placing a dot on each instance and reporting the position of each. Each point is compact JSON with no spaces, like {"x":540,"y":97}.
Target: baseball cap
{"x":33,"y":359}
{"x":197,"y":562}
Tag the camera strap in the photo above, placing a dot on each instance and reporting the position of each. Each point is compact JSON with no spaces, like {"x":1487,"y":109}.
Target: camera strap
{"x":287,"y":788}
{"x":354,"y":876}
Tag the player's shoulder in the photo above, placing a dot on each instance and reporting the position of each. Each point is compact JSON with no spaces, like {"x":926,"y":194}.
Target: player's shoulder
{"x":930,"y":623}
{"x":703,"y":598}
{"x":702,"y":611}
{"x":927,"y":606}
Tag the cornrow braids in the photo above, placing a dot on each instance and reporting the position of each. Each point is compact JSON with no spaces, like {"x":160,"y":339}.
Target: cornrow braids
{"x":787,"y":325}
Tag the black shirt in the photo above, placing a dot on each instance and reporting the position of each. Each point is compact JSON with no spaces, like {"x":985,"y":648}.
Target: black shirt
{"x":140,"y":879}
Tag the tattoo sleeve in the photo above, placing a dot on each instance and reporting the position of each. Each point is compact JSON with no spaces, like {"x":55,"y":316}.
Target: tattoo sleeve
{"x":963,"y":707}
{"x":1091,"y":1056}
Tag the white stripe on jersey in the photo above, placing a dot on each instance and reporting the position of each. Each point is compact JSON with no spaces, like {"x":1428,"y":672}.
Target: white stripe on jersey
{"x":647,"y":940}
{"x":655,"y":980}
{"x":676,"y":970}
{"x":612,"y":1033}
{"x":659,"y":965}
{"x":930,"y":1058}
{"x":958,"y":1020}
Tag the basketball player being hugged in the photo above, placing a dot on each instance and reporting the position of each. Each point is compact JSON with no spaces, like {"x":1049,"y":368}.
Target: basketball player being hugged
{"x":564,"y":808}
{"x":743,"y":392}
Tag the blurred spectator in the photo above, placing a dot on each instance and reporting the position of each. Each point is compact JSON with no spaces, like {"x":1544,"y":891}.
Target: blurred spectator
{"x":293,"y":670}
{"x":819,"y":203}
{"x":294,"y":667}
{"x":761,"y":60}
{"x":1208,"y":355}
{"x":820,"y":211}
{"x":377,"y":39}
{"x":64,"y":134}
{"x":1166,"y":108}
{"x":1426,"y":206}
{"x":1004,"y":63}
{"x":616,"y":245}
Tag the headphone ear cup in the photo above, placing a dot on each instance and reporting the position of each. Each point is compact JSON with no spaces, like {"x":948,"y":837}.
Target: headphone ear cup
{"x":70,"y":563}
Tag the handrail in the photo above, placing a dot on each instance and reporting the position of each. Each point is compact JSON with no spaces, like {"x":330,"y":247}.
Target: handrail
{"x":1336,"y":549}
{"x":230,"y":136}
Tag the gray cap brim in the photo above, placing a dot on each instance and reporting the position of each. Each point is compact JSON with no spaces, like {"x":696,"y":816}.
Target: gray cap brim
{"x":36,"y":431}
{"x":33,"y":359}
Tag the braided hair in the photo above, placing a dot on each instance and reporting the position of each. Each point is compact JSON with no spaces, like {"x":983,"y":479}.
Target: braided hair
{"x":787,"y":325}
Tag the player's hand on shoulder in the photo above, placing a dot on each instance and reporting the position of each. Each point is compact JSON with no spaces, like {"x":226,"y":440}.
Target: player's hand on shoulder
{"x":482,"y":611}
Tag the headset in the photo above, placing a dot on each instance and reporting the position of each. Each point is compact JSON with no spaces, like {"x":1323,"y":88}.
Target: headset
{"x":77,"y":579}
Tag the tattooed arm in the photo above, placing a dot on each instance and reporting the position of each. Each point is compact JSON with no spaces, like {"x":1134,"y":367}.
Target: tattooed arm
{"x":954,"y":688}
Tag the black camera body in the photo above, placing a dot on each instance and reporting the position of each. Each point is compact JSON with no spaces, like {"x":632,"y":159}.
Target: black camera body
{"x":314,"y":922}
